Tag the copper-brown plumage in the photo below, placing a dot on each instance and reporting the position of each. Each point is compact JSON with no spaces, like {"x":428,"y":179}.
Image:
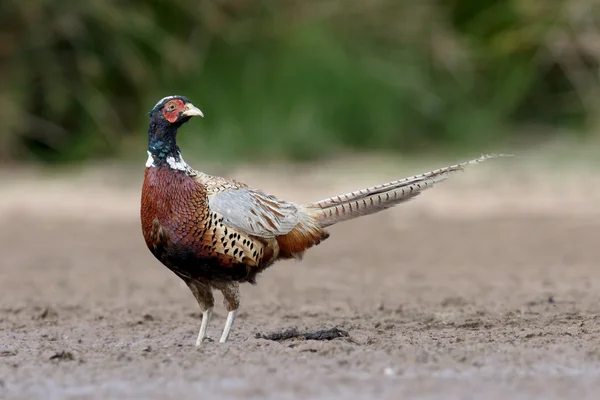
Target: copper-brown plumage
{"x":215,"y":233}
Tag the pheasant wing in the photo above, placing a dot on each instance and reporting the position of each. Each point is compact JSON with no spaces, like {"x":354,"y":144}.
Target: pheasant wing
{"x":254,"y":212}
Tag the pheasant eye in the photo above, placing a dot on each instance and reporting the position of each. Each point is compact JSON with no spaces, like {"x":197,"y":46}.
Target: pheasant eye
{"x":171,"y":106}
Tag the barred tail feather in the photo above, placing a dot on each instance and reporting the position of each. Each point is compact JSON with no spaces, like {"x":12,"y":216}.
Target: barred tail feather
{"x":377,"y":198}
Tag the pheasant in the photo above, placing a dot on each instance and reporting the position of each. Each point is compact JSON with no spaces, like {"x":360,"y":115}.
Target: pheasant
{"x":215,"y":233}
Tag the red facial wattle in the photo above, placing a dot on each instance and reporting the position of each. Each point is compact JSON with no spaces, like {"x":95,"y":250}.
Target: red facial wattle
{"x":172,"y":113}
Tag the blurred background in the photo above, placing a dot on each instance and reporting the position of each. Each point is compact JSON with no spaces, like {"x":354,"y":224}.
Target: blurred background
{"x":297,"y":80}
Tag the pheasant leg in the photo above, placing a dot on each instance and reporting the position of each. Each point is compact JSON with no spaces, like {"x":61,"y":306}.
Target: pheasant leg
{"x":230,"y":318}
{"x":203,"y":294}
{"x":231,"y":300}
{"x":203,"y":325}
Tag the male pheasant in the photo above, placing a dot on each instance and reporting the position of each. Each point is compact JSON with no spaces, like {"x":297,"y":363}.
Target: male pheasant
{"x":216,"y":233}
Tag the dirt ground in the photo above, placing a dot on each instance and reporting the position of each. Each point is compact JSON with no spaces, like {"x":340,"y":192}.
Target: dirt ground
{"x":487,"y":286}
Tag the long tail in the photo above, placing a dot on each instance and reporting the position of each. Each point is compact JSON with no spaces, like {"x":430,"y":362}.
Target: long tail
{"x":377,"y":198}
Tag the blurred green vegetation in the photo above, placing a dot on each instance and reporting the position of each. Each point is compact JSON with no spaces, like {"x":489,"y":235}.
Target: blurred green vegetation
{"x":296,"y":79}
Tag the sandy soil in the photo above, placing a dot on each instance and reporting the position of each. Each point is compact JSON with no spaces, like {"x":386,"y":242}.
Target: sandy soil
{"x":486,"y":286}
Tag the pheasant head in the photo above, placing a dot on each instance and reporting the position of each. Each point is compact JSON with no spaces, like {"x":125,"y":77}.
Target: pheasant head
{"x":165,"y":119}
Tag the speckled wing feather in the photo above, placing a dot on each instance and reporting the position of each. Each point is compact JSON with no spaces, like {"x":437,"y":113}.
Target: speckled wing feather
{"x":215,"y":184}
{"x":285,"y":228}
{"x":248,"y":210}
{"x":254,"y":212}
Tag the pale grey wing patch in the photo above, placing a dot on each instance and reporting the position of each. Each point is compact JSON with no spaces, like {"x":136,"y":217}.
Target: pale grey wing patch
{"x":254,"y":212}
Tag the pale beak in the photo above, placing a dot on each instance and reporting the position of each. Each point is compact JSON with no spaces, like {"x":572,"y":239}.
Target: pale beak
{"x":192,"y":111}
